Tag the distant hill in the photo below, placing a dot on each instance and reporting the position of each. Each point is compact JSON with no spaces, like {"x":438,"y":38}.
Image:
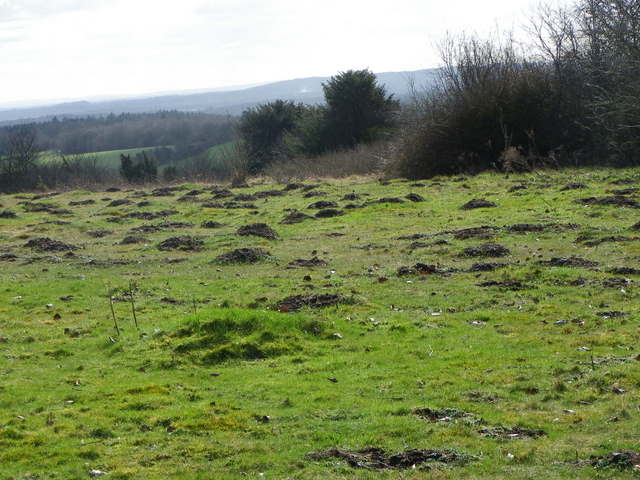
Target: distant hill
{"x":307,"y":90}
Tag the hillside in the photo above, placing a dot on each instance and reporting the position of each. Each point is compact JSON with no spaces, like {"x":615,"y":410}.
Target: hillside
{"x":481,"y":327}
{"x":308,"y":90}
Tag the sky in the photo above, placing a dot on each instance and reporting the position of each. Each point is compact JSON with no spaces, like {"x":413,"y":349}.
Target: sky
{"x":80,"y":49}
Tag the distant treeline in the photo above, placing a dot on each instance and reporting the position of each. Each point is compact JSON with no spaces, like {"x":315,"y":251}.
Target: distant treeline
{"x":188,"y":133}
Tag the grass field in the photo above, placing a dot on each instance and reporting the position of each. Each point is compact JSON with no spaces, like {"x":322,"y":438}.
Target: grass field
{"x":514,"y":360}
{"x":109,"y":158}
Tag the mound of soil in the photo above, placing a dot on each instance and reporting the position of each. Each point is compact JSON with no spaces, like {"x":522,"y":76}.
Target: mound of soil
{"x":211,"y":224}
{"x":323,"y":204}
{"x":485,"y":231}
{"x":132,"y":239}
{"x":258,"y":230}
{"x":416,"y":245}
{"x":222,"y":193}
{"x":169,"y":225}
{"x":296,"y":302}
{"x":609,"y":239}
{"x":414,"y":197}
{"x":112,"y":189}
{"x":243,"y":255}
{"x":569,"y":262}
{"x":8,"y":257}
{"x":374,"y":458}
{"x":573,"y":186}
{"x":486,"y":250}
{"x":45,"y":244}
{"x":145,"y":229}
{"x":351,"y":197}
{"x":329,"y":213}
{"x":165,"y":191}
{"x":82,"y":202}
{"x":150,"y":215}
{"x":618,"y":200}
{"x":418,"y":269}
{"x":625,"y":191}
{"x":635,"y":226}
{"x":478,"y":203}
{"x":351,"y":206}
{"x":120,"y":202}
{"x":507,"y":433}
{"x":625,"y":271}
{"x":314,"y":193}
{"x":308,"y":263}
{"x":388,"y":200}
{"x":623,"y":181}
{"x":244,"y":197}
{"x":184,"y":243}
{"x":442,"y":415}
{"x":617,"y":282}
{"x":293,"y":186}
{"x":295,"y":217}
{"x":99,"y":233}
{"x":8,"y":214}
{"x":269,"y":193}
{"x":516,"y":188}
{"x":623,"y":460}
{"x":486,"y":266}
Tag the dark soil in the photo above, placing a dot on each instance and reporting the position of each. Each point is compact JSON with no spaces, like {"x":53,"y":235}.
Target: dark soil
{"x":437,"y":243}
{"x":44,"y":244}
{"x":258,"y":230}
{"x":146,"y":229}
{"x":573,"y":186}
{"x":8,"y":257}
{"x":486,"y":250}
{"x":269,"y":193}
{"x":623,"y":460}
{"x":296,"y":302}
{"x":418,"y":269}
{"x":351,"y":197}
{"x":170,"y":225}
{"x":569,"y":262}
{"x":388,"y":200}
{"x":223,"y":193}
{"x":323,"y":204}
{"x":211,"y":224}
{"x":309,"y":263}
{"x":541,"y":227}
{"x":507,"y":433}
{"x":609,"y":239}
{"x":295,"y":217}
{"x":442,"y":415}
{"x":485,"y":231}
{"x":293,"y":186}
{"x":351,"y":206}
{"x":329,"y":212}
{"x":625,"y":191}
{"x":414,"y":197}
{"x":165,"y":191}
{"x":243,"y":255}
{"x":516,"y":188}
{"x":618,"y":200}
{"x":623,"y":181}
{"x":486,"y":266}
{"x":314,"y":194}
{"x":244,"y":197}
{"x":150,"y":215}
{"x":82,"y":202}
{"x":132,"y":239}
{"x":617,"y":282}
{"x":112,"y":189}
{"x":478,"y":203}
{"x":636,"y":226}
{"x":625,"y":271}
{"x":374,"y":458}
{"x":8,"y":214}
{"x":184,"y":243}
{"x":120,"y":202}
{"x":309,"y":187}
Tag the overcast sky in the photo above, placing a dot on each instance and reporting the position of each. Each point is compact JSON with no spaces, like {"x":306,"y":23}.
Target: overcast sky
{"x":70,"y":49}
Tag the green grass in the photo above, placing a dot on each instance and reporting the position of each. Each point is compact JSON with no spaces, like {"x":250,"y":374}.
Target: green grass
{"x":107,"y":158}
{"x":186,"y":396}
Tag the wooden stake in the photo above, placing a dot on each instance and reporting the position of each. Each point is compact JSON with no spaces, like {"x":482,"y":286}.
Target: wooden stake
{"x":113,"y":314}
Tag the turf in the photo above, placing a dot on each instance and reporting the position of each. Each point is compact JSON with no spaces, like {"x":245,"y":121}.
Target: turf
{"x":529,"y":370}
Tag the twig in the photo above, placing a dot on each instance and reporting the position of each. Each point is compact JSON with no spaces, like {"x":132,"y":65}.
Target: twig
{"x":133,"y":305}
{"x":113,"y":314}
